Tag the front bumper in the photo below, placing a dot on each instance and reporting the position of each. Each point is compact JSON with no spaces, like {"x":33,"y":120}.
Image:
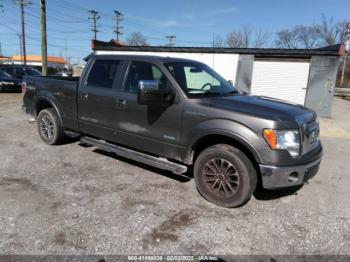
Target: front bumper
{"x":278,"y":177}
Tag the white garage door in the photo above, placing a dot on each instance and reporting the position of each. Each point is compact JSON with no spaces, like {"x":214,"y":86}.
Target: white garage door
{"x":285,"y":80}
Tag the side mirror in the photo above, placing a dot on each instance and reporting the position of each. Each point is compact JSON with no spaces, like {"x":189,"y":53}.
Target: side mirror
{"x":149,"y":93}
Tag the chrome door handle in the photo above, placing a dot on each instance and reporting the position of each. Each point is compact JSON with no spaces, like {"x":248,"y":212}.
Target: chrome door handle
{"x":84,"y":96}
{"x":121,"y":102}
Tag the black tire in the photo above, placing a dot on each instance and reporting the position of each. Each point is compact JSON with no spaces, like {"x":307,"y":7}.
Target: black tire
{"x":2,"y":89}
{"x":49,"y":127}
{"x":232,"y":172}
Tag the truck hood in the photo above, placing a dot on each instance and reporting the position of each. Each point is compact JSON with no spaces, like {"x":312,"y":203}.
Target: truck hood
{"x":265,"y":107}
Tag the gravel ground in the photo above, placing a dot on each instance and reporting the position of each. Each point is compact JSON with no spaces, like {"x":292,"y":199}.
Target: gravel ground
{"x":74,"y":200}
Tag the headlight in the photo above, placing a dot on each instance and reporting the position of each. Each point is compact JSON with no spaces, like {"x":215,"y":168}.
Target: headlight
{"x":283,"y":139}
{"x":7,"y":83}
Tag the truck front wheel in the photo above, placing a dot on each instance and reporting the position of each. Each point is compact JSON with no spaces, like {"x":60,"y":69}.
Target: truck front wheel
{"x":225,"y":176}
{"x":49,"y":127}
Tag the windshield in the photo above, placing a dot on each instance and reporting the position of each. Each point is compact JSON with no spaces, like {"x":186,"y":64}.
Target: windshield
{"x":198,"y":79}
{"x":4,"y":74}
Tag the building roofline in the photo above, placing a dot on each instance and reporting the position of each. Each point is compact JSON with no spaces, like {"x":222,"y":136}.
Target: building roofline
{"x":267,"y":52}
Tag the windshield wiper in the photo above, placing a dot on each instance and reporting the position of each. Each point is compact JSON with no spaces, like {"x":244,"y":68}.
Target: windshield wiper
{"x":212,"y":93}
{"x":232,"y":92}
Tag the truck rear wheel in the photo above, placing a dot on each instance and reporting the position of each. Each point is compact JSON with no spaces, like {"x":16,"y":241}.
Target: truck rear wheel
{"x":225,"y":176}
{"x":49,"y":127}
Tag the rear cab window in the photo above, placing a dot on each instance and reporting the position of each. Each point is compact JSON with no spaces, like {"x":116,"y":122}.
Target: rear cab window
{"x":103,"y":73}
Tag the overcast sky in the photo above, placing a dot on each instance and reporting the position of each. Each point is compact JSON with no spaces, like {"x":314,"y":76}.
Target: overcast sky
{"x":193,"y":22}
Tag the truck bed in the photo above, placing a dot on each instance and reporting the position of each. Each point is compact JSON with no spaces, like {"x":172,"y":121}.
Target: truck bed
{"x":62,"y":91}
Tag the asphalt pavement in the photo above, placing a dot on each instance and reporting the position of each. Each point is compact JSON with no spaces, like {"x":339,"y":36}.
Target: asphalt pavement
{"x":74,"y":200}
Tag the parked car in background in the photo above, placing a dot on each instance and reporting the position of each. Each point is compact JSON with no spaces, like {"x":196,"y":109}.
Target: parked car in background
{"x":18,"y":71}
{"x":9,"y":83}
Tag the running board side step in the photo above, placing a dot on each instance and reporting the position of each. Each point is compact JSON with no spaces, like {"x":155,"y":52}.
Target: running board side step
{"x":158,"y":162}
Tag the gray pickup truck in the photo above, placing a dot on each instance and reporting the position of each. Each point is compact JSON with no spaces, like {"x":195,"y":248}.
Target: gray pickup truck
{"x":175,"y":114}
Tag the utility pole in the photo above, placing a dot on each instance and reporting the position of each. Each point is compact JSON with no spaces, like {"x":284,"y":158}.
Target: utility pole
{"x":66,"y":58}
{"x":346,"y":43}
{"x":118,"y":27}
{"x":43,"y":37}
{"x":94,"y":17}
{"x":171,"y":40}
{"x":22,"y":4}
{"x":1,"y":11}
{"x":20,"y":47}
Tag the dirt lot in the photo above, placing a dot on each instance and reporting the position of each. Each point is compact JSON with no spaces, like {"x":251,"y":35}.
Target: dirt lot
{"x":74,"y":200}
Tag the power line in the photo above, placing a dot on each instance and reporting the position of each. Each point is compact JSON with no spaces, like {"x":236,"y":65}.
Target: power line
{"x":33,"y":27}
{"x":55,"y":19}
{"x":65,"y":18}
{"x":94,"y":17}
{"x":9,"y":28}
{"x":118,"y":27}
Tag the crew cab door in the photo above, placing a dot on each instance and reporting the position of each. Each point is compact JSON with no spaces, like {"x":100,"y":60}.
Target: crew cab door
{"x":150,"y":128}
{"x":97,"y":98}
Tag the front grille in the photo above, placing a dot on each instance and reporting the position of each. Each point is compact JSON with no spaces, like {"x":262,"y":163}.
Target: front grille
{"x":310,"y":136}
{"x":311,"y":171}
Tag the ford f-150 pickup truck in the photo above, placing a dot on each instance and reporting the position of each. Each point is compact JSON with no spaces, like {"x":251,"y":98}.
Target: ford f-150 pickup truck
{"x":176,"y":113}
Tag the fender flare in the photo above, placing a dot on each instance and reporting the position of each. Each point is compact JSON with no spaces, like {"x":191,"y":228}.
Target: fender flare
{"x":51,"y":102}
{"x":224,"y":133}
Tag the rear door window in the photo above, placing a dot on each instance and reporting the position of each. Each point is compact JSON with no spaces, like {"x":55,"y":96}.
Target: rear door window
{"x":103,"y":73}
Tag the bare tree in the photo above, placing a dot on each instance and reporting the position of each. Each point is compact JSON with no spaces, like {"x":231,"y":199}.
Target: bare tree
{"x":247,"y":37}
{"x":136,"y":39}
{"x":308,"y":36}
{"x":235,"y":39}
{"x":261,"y":38}
{"x":331,"y":32}
{"x":299,"y":37}
{"x":325,"y":33}
{"x":286,"y":39}
{"x":218,"y":41}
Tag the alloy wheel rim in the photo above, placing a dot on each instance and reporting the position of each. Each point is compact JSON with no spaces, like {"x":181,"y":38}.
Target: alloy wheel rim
{"x":221,"y":177}
{"x":46,"y":127}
